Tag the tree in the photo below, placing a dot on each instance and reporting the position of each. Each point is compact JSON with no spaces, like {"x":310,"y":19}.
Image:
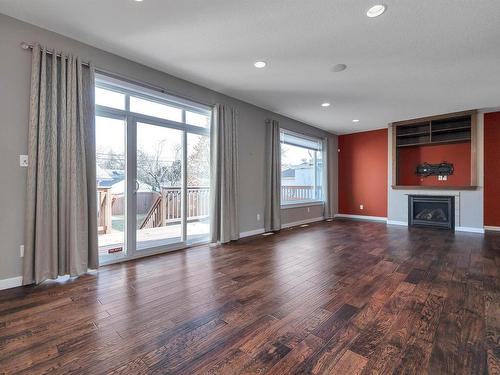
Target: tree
{"x":111,"y":160}
{"x":199,"y":163}
{"x":158,"y":172}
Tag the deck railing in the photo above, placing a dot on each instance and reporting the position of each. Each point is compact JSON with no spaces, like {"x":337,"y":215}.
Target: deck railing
{"x":105,"y":204}
{"x":165,"y":208}
{"x":300,"y":193}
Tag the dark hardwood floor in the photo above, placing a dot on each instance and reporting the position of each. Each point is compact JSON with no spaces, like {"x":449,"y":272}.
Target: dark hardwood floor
{"x":338,"y":297}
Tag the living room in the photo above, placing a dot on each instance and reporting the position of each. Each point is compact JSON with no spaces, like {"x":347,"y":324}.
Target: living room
{"x":267,"y":187}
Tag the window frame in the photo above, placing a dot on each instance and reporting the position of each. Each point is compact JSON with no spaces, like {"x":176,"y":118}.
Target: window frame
{"x":131,"y":119}
{"x":109,"y":83}
{"x":310,"y":202}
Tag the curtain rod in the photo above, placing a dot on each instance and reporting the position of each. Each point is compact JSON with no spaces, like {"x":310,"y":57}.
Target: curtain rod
{"x":26,"y":46}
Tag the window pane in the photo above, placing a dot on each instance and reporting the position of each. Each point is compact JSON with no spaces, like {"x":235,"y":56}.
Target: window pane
{"x":198,"y":187}
{"x":159,"y":186}
{"x":111,"y":182}
{"x":292,"y":139}
{"x":147,"y":107}
{"x":197,"y":119}
{"x":301,"y":174}
{"x":108,"y":98}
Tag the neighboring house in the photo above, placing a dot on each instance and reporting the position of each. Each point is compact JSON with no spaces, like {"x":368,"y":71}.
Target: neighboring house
{"x":298,"y":175}
{"x":112,"y":179}
{"x":115,"y":180}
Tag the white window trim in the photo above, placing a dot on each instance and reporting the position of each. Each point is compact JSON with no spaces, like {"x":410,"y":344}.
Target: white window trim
{"x":301,"y":135}
{"x":305,"y":203}
{"x":285,"y":206}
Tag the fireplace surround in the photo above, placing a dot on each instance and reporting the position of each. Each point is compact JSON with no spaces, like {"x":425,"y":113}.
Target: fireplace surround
{"x":431,"y":211}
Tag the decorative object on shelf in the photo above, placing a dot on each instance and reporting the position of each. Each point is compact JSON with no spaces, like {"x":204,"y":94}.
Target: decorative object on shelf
{"x":441,"y":169}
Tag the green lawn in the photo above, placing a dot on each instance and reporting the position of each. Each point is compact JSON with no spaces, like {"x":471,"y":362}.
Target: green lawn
{"x":118,"y":222}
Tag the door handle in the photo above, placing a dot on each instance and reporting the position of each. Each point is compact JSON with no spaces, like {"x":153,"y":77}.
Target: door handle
{"x":136,"y":187}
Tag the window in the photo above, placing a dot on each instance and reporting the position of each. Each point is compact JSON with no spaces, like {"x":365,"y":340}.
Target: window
{"x":301,"y":169}
{"x":155,"y":109}
{"x":197,"y":119}
{"x":109,"y":98}
{"x":153,"y":170}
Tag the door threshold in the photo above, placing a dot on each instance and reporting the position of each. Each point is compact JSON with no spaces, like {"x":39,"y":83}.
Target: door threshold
{"x":159,"y":251}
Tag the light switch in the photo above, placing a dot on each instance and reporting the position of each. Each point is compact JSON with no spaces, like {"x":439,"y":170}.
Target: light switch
{"x":23,"y":160}
{"x":361,"y":207}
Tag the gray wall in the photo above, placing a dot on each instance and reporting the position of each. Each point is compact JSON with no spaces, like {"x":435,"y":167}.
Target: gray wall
{"x":471,"y":201}
{"x":14,"y":94}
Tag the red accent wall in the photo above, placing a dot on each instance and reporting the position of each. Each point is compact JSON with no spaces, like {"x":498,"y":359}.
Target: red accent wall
{"x":362,"y":180}
{"x":458,"y":154}
{"x":492,"y":169}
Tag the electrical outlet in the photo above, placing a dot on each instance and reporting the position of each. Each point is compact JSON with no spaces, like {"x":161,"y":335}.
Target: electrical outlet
{"x":361,"y":207}
{"x":440,"y":178}
{"x":21,"y":251}
{"x":258,"y":217}
{"x":23,"y":160}
{"x":445,"y":178}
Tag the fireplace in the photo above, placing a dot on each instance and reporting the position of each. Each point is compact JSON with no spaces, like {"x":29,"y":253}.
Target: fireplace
{"x":431,"y":211}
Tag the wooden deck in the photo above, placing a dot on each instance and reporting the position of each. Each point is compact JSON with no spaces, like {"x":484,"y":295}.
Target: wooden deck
{"x":153,"y":237}
{"x":337,"y":297}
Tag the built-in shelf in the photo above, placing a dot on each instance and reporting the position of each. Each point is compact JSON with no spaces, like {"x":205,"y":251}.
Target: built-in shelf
{"x":434,"y":131}
{"x":458,"y":140}
{"x":450,"y":128}
{"x":412,"y":134}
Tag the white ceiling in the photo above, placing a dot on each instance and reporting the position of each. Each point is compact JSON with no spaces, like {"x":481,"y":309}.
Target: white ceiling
{"x":419,"y":58}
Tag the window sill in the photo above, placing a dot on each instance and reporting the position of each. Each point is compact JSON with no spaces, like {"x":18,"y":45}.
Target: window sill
{"x":302,"y":204}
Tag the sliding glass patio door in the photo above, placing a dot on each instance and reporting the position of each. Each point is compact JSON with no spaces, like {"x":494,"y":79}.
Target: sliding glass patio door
{"x":111,"y":177}
{"x":153,"y":163}
{"x":159,"y":193}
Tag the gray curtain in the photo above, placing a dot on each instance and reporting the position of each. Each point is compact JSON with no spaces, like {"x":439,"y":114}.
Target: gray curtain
{"x":224,"y":223}
{"x":272,"y":217}
{"x":61,"y":211}
{"x":330,"y":188}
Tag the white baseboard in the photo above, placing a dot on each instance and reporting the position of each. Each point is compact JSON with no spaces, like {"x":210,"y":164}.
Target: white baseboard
{"x":457,"y":229}
{"x":469,"y":229}
{"x":362,"y":217}
{"x":302,"y":222}
{"x":396,"y":222}
{"x":489,"y":227}
{"x":11,"y":283}
{"x":252,"y":233}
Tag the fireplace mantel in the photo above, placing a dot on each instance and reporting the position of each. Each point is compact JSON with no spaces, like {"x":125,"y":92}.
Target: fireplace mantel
{"x":445,"y":188}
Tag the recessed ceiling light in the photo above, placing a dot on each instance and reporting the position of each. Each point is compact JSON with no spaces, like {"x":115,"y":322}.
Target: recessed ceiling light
{"x":339,"y":67}
{"x":260,"y":64}
{"x":376,"y":10}
{"x":138,"y":1}
{"x":326,"y":104}
{"x":355,"y":120}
